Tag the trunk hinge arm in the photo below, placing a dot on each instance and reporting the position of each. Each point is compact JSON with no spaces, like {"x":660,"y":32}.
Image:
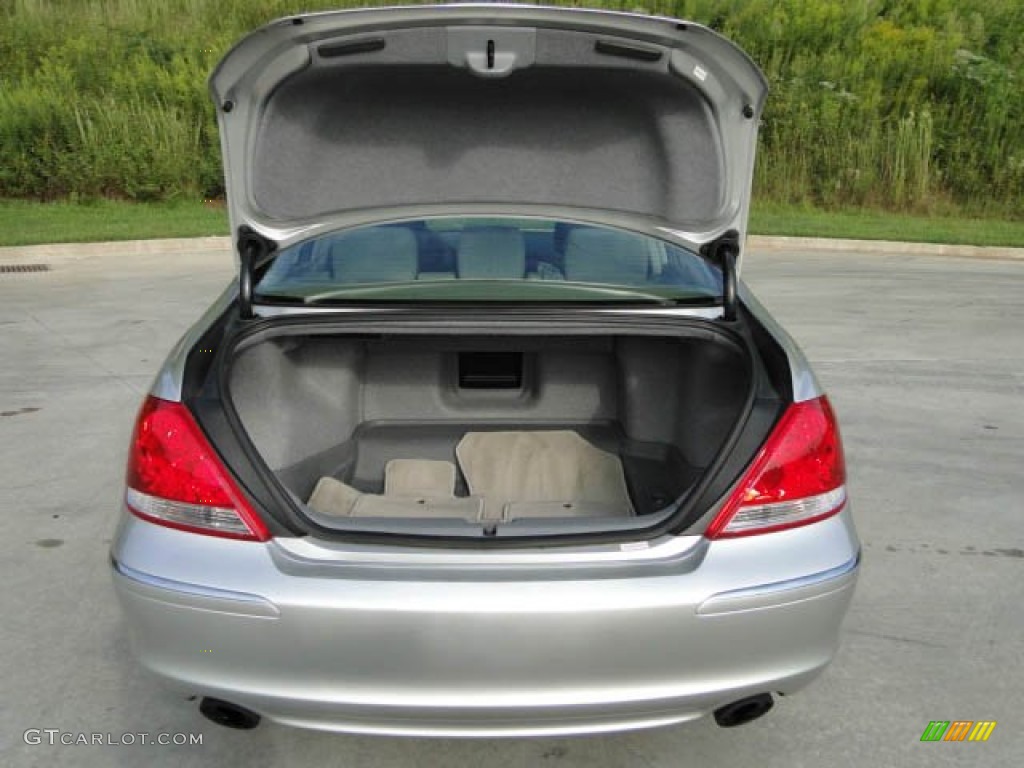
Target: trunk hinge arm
{"x":722,"y":252}
{"x":253,"y":252}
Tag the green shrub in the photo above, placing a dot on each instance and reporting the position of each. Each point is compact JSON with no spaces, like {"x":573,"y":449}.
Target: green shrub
{"x":902,"y":104}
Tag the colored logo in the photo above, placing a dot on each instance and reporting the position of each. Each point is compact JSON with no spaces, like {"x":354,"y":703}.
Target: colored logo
{"x":958,"y":730}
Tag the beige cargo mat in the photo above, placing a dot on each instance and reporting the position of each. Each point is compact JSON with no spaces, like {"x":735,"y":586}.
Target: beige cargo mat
{"x":419,"y":477}
{"x":519,"y":510}
{"x":335,"y":498}
{"x":371,"y":505}
{"x":507,"y":468}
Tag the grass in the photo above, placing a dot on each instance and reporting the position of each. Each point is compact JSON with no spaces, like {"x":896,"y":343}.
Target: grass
{"x":29,"y":223}
{"x":898,"y":105}
{"x":883,"y":225}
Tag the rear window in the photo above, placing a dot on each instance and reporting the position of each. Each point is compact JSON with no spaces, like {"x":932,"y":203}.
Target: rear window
{"x":502,"y":259}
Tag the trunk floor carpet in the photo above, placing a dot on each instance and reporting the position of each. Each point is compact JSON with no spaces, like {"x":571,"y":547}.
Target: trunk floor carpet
{"x":511,"y":475}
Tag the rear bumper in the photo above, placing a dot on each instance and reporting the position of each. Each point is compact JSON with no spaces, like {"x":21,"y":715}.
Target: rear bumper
{"x":474,"y":657}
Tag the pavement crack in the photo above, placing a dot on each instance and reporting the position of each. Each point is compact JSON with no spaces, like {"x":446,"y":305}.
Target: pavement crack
{"x":895,"y":638}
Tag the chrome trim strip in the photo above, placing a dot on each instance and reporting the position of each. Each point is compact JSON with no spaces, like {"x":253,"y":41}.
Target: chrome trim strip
{"x":227,"y":601}
{"x":781,"y":592}
{"x":811,"y":580}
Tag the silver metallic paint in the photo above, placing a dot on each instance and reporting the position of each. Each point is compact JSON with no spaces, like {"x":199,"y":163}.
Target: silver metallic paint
{"x":487,"y":643}
{"x":554,"y":640}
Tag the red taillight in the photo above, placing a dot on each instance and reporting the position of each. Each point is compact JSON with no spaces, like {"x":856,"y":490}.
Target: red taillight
{"x":175,"y":478}
{"x":799,"y":477}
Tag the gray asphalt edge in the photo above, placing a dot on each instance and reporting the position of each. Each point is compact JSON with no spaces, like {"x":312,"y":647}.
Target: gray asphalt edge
{"x":76,"y":251}
{"x":882,"y":247}
{"x":64,"y":252}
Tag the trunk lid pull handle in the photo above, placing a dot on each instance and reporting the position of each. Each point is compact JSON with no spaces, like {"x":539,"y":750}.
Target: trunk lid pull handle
{"x":492,"y":51}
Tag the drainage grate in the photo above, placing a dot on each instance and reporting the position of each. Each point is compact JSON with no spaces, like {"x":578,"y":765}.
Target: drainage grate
{"x":9,"y":269}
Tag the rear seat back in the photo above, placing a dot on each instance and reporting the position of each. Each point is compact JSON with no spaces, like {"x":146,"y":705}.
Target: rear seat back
{"x":492,"y":253}
{"x":605,"y":256}
{"x":373,"y":255}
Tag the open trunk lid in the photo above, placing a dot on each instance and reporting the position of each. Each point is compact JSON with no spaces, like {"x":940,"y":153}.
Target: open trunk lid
{"x":345,"y":118}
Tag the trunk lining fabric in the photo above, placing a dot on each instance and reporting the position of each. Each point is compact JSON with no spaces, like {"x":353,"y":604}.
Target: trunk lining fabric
{"x":641,"y":142}
{"x":345,"y":407}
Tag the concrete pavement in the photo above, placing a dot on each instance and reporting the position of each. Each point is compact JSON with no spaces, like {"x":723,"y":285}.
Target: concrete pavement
{"x":756,"y":243}
{"x":924,"y":360}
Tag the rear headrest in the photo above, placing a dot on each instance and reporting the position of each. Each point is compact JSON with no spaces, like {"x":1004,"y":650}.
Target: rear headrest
{"x":595,"y":255}
{"x":374,"y":255}
{"x":492,"y":252}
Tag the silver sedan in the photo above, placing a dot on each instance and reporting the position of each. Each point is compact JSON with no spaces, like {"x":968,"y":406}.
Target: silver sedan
{"x":488,"y":438}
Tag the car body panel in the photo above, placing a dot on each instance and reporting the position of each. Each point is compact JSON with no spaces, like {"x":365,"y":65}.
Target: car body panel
{"x":688,"y":95}
{"x":167,"y":383}
{"x":498,"y":643}
{"x":572,"y":638}
{"x":804,"y":382}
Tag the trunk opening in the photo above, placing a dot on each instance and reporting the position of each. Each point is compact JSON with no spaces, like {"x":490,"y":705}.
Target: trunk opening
{"x":490,"y":432}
